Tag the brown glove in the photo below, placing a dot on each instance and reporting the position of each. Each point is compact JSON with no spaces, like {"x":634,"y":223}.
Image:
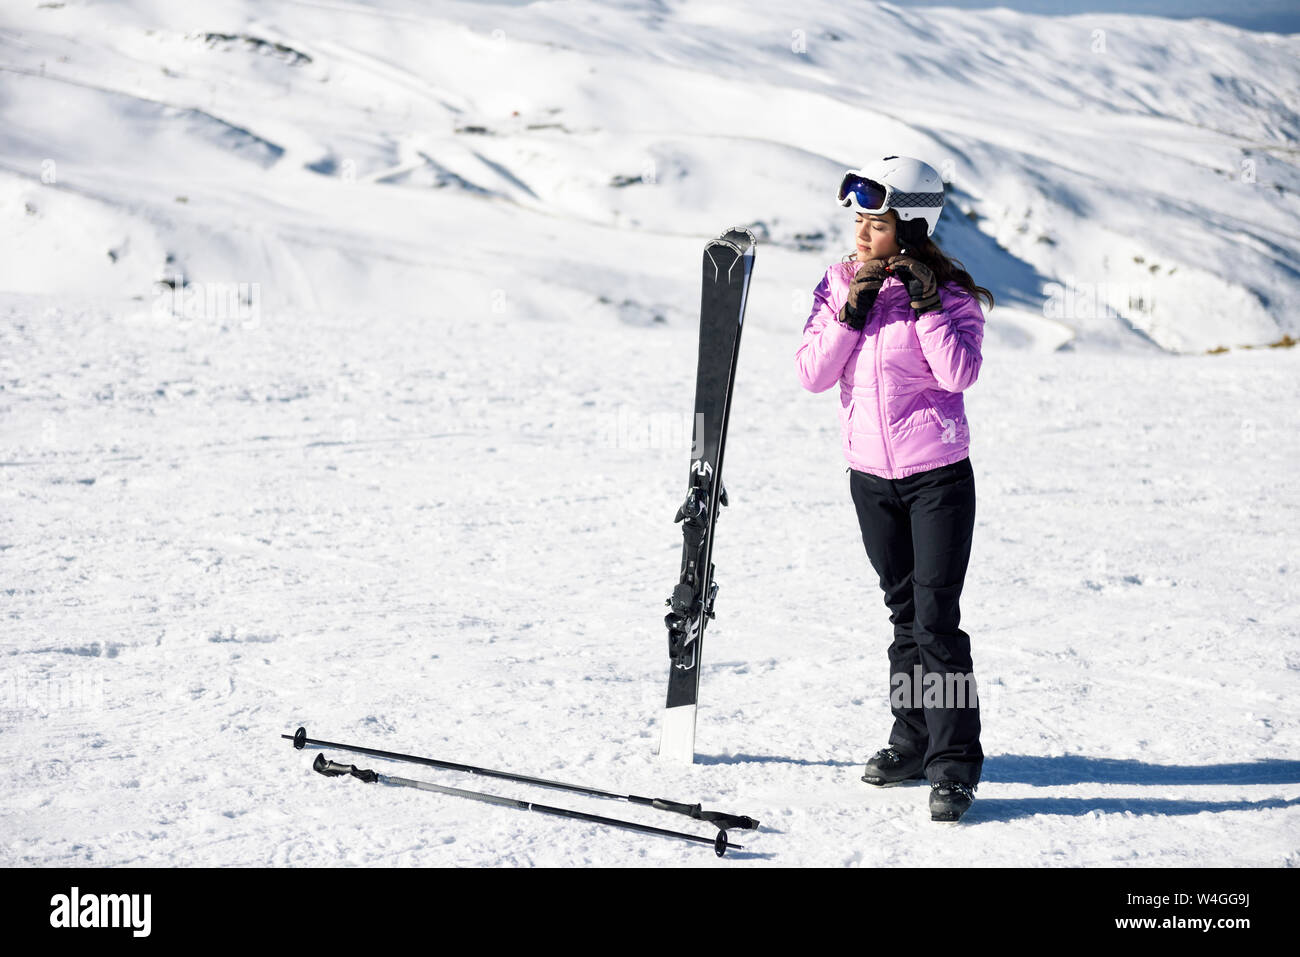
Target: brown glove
{"x":867,"y":281}
{"x":919,"y":280}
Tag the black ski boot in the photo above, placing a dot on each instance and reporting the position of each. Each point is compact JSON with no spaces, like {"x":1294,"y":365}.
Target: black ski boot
{"x":949,"y":800}
{"x":890,"y":766}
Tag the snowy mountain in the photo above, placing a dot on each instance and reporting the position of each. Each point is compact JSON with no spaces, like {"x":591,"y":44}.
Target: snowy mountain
{"x":1118,"y":181}
{"x":345,"y":358}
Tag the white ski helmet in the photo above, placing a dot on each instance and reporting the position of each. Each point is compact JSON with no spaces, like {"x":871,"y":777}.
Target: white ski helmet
{"x":912,"y":189}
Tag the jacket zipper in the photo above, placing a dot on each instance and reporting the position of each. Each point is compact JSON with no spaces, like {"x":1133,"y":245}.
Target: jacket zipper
{"x":880,"y":397}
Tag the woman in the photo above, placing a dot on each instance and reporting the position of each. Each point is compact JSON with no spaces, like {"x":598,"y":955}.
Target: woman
{"x":899,"y":328}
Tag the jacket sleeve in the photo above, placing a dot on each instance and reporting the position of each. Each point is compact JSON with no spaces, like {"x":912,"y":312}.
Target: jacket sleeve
{"x":952,"y":338}
{"x":827,"y":342}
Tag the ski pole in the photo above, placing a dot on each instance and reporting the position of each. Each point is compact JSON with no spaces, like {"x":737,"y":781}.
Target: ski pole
{"x":333,"y":769}
{"x":718,"y":818}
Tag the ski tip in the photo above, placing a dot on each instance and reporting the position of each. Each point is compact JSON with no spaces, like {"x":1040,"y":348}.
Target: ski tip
{"x":737,"y":235}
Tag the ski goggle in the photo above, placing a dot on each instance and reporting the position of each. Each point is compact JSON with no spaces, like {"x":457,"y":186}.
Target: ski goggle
{"x":873,"y":197}
{"x":863,"y":193}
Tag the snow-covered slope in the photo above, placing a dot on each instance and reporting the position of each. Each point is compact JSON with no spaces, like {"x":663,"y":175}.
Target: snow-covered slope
{"x":1130,"y":178}
{"x":345,"y":356}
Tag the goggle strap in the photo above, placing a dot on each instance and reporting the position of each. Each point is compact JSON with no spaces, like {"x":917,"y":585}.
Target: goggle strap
{"x":912,"y":200}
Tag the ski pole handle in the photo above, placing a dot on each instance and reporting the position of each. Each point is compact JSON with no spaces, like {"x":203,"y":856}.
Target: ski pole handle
{"x":690,"y":810}
{"x":332,"y":769}
{"x":718,"y":818}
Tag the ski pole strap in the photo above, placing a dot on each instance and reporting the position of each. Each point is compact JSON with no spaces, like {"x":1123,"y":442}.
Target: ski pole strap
{"x":722,"y":820}
{"x":742,"y":821}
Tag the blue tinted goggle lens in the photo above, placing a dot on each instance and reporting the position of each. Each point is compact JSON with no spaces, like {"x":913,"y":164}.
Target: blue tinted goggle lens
{"x":868,"y":193}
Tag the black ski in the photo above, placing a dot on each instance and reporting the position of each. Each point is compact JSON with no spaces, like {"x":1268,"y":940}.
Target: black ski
{"x":728,"y":263}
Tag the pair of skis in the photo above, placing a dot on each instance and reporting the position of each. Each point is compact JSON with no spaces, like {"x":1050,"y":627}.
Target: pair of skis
{"x":728,"y":263}
{"x":722,"y":821}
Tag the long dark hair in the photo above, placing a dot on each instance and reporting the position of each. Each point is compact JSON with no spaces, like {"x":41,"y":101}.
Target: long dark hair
{"x":945,"y":268}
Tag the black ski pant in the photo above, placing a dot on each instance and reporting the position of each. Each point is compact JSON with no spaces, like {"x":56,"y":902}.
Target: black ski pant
{"x":917,"y":531}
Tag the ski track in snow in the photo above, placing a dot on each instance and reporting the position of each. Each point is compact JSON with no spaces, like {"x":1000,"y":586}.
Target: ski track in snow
{"x":423,"y":500}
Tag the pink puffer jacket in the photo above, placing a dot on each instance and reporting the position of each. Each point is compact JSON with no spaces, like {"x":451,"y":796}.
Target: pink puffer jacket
{"x":901,"y":378}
